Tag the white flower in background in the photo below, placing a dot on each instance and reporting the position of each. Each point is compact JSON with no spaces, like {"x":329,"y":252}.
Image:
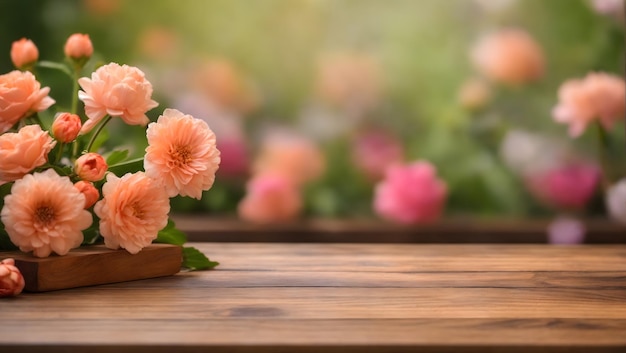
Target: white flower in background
{"x":616,"y":201}
{"x":525,"y":153}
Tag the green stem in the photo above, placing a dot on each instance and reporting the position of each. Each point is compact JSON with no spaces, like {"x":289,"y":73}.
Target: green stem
{"x":75,"y":91}
{"x":95,"y":134}
{"x":60,"y":153}
{"x":603,"y":149}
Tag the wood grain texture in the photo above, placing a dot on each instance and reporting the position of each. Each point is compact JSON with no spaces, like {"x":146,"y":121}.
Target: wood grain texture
{"x":344,"y":298}
{"x":449,"y":230}
{"x":95,"y":265}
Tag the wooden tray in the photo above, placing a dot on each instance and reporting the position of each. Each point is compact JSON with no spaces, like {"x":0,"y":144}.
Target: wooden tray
{"x":93,"y":265}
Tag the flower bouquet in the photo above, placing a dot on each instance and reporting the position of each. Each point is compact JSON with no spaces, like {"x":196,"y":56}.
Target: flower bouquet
{"x":61,"y":189}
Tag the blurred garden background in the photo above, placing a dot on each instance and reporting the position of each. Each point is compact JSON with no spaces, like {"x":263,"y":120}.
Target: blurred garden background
{"x":315,"y":101}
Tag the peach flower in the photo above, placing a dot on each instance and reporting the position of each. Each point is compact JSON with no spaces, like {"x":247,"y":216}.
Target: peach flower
{"x":66,"y":127}
{"x":78,"y":47}
{"x":20,"y":95}
{"x":349,"y":80}
{"x":11,"y":279}
{"x":474,"y":94}
{"x":597,"y":96}
{"x":24,"y":53}
{"x":23,"y":151}
{"x":294,"y":157}
{"x":90,"y":166}
{"x":181,"y":154}
{"x":410,"y":194}
{"x":89,"y":191}
{"x":269,"y":199}
{"x":121,"y":91}
{"x":509,"y":56}
{"x":133,"y":210}
{"x":44,"y":213}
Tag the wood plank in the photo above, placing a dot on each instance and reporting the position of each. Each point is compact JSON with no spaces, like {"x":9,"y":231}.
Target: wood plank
{"x":416,"y":257}
{"x":93,"y":265}
{"x":450,"y":230}
{"x":424,"y":335}
{"x":185,"y":302}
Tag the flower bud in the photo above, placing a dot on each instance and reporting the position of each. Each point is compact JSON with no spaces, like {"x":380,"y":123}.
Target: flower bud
{"x":66,"y":127}
{"x":89,"y":191}
{"x":24,"y":54}
{"x":78,"y":48}
{"x":90,"y":167}
{"x":11,"y":279}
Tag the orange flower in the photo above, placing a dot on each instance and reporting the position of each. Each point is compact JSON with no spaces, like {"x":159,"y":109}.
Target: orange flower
{"x":89,"y":191}
{"x":78,"y":47}
{"x":133,"y":210}
{"x":65,"y":127}
{"x":510,"y":56}
{"x":269,"y":199}
{"x":90,"y":167}
{"x":23,"y":151}
{"x":294,"y":157}
{"x":44,"y":213}
{"x":11,"y":279}
{"x":20,"y":95}
{"x":181,"y":154}
{"x":121,"y":91}
{"x":24,"y":53}
{"x":598,"y":96}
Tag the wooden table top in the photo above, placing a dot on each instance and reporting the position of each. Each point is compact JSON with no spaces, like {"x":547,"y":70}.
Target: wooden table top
{"x":277,"y":297}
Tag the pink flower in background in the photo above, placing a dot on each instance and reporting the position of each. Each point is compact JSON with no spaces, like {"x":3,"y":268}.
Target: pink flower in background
{"x":410,"y":193}
{"x":133,"y":210}
{"x":616,"y":201}
{"x":566,"y":230}
{"x":90,"y":167}
{"x":295,"y":157}
{"x":11,"y":279}
{"x":119,"y":91}
{"x":611,"y":8}
{"x":181,"y":154}
{"x":509,"y":56}
{"x":270,"y":198}
{"x":78,"y":47}
{"x":89,"y":191}
{"x":597,"y":96}
{"x":44,"y":213}
{"x":66,"y":127}
{"x":374,"y":151}
{"x":235,"y":160}
{"x":569,"y":186}
{"x":23,"y":151}
{"x":20,"y":95}
{"x":24,"y":53}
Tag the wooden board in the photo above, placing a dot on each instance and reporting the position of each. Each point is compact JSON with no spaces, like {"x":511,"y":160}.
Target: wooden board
{"x":365,"y":298}
{"x":93,"y":265}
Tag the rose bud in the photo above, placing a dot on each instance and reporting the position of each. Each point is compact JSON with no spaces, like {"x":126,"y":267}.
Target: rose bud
{"x":78,"y":48}
{"x":90,"y":167}
{"x":24,"y":54}
{"x":11,"y":279}
{"x":66,"y":127}
{"x":89,"y":191}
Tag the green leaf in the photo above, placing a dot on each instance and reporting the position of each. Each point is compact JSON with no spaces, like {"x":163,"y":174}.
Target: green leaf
{"x":171,"y":235}
{"x":116,"y":157}
{"x":194,"y":260}
{"x":55,"y":66}
{"x":130,"y":166}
